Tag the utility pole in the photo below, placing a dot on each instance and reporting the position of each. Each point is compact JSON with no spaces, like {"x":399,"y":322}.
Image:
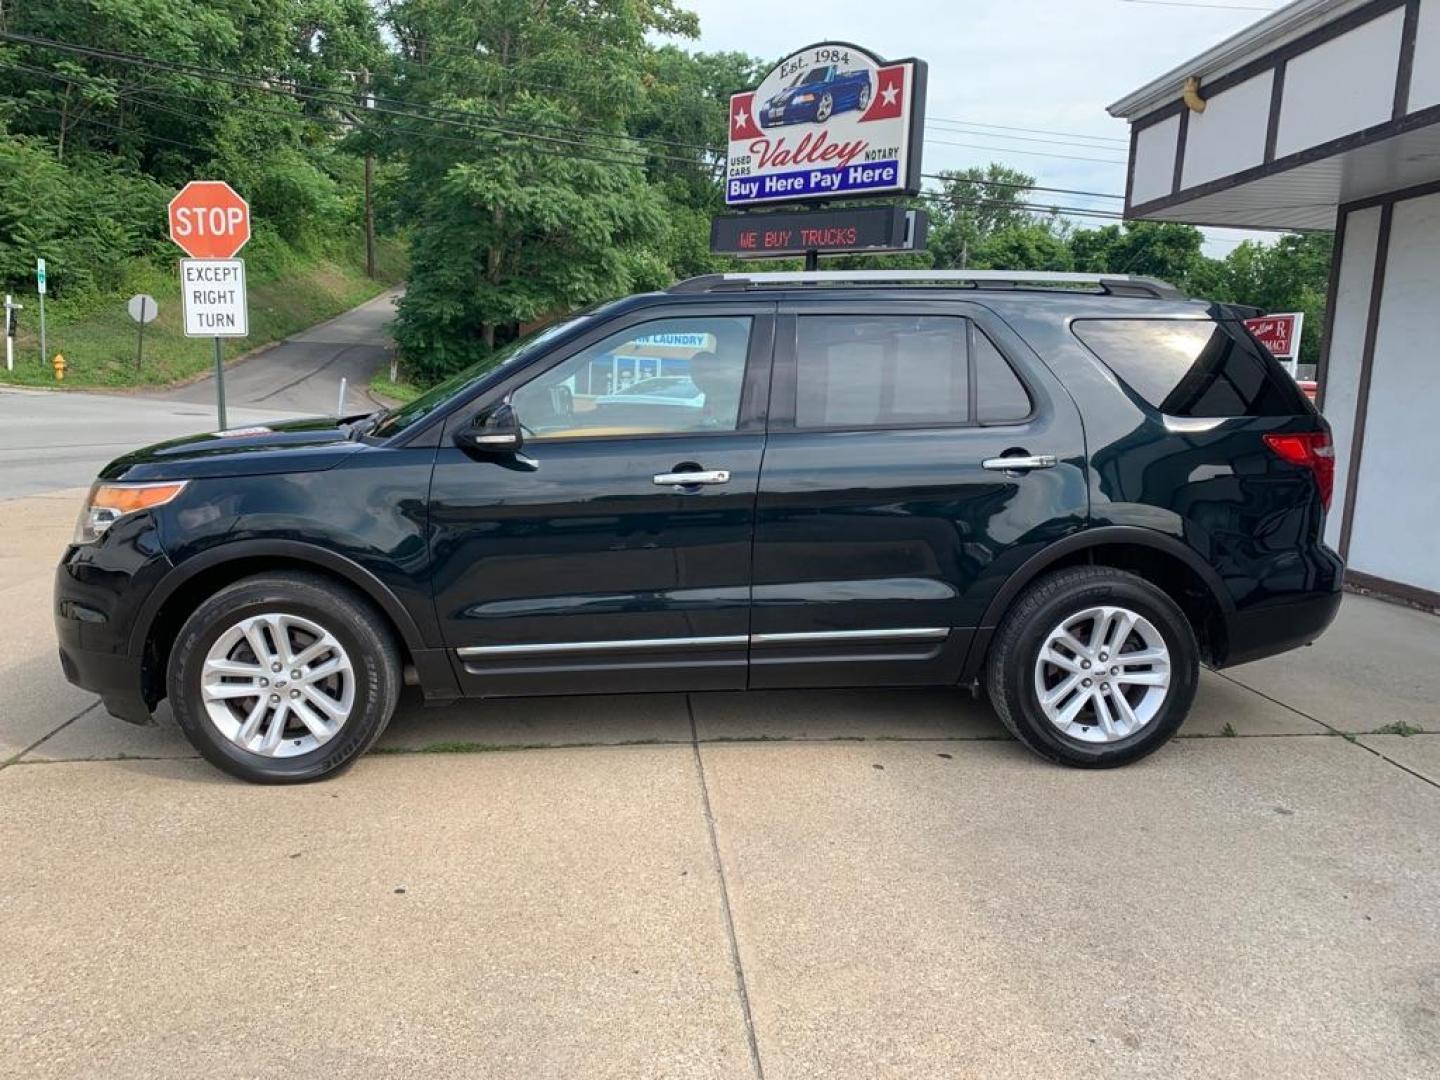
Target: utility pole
{"x":369,"y":184}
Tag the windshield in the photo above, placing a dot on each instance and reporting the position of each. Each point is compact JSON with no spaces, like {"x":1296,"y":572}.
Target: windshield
{"x":432,"y":399}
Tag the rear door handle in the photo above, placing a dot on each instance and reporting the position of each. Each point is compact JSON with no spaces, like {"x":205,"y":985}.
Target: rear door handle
{"x":1020,"y":464}
{"x":688,"y":479}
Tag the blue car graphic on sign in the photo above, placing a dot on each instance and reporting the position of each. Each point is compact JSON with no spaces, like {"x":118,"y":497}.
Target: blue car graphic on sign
{"x":816,"y":95}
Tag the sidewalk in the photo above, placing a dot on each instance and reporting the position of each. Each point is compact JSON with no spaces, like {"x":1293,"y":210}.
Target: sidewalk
{"x":826,"y":884}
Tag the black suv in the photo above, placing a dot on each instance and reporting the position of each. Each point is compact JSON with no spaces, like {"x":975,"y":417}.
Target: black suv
{"x":1068,"y":490}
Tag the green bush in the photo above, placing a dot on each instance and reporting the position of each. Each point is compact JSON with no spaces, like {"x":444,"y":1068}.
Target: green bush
{"x":87,"y":219}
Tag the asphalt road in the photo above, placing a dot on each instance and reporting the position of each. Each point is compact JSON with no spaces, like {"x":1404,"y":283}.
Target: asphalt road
{"x":302,"y":374}
{"x":51,"y":441}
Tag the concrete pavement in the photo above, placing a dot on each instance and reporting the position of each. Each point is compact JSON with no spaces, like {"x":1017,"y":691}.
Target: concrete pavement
{"x":831,"y":884}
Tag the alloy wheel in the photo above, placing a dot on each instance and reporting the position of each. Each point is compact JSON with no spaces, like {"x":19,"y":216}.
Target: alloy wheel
{"x":1102,"y":674}
{"x":278,"y":685}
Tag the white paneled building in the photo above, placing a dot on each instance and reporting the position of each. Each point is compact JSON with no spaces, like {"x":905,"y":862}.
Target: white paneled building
{"x":1326,"y":115}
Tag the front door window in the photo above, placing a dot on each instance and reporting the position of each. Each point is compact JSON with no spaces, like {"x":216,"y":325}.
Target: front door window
{"x":667,"y":376}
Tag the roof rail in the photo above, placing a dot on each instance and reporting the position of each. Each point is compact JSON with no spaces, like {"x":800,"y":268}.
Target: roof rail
{"x":1110,"y":284}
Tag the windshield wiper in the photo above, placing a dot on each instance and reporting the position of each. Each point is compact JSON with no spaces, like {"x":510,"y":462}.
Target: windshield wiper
{"x":366,"y":424}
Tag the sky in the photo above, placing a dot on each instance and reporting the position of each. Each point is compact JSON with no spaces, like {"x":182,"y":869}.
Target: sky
{"x":1047,"y":65}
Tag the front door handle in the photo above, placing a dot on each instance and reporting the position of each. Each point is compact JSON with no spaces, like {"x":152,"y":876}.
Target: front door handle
{"x":689,"y":479}
{"x":1019,"y":463}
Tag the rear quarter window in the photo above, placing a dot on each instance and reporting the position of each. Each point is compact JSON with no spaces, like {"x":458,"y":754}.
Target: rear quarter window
{"x":1193,"y":367}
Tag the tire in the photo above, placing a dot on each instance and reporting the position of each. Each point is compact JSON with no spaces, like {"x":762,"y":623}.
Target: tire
{"x":230,"y":629}
{"x":824,"y":108}
{"x":863,"y":102}
{"x":1014,"y":676}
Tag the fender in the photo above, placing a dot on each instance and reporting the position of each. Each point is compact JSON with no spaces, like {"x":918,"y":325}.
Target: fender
{"x":1089,"y":538}
{"x":318,"y":557}
{"x":1106,"y":534}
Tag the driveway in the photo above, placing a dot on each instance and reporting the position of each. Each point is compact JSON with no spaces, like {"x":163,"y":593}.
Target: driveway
{"x":302,"y":374}
{"x":838,"y":884}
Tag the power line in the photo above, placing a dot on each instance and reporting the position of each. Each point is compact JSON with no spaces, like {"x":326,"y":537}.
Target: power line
{"x":462,"y":119}
{"x":1028,"y":187}
{"x":145,"y":135}
{"x":296,"y":116}
{"x":991,"y":204}
{"x":1196,"y":4}
{"x":467,"y":121}
{"x":1029,"y":153}
{"x":322,"y":95}
{"x":1016,"y":138}
{"x":1032,"y":131}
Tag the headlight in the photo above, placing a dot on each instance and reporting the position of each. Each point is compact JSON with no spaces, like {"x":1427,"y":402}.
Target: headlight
{"x":802,"y":99}
{"x":108,"y":503}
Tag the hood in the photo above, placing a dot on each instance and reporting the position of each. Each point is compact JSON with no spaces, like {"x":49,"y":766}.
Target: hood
{"x":784,"y":96}
{"x":283,"y":446}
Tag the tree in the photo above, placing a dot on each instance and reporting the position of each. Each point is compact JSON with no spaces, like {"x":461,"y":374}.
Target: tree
{"x":1290,"y":275}
{"x":684,"y":116}
{"x":1025,"y":246}
{"x":527,"y":196}
{"x":973,"y":204}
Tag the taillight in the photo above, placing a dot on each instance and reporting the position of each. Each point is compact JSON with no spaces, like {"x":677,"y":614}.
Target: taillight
{"x":1313,"y":450}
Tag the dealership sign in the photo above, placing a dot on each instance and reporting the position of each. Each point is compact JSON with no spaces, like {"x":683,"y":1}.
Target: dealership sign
{"x":830,"y":121}
{"x":1279,"y":333}
{"x":853,"y":230}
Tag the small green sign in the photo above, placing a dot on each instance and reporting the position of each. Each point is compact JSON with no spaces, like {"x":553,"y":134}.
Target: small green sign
{"x":40,"y":274}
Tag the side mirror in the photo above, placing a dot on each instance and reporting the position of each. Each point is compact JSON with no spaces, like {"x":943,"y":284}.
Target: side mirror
{"x":494,"y":431}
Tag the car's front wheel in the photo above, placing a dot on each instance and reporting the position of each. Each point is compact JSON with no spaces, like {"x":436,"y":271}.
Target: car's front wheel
{"x":824,"y":108}
{"x":1093,"y":667}
{"x":284,"y":677}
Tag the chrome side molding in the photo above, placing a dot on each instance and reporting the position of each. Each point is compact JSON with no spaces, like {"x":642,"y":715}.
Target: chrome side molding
{"x":622,"y":645}
{"x":924,"y":633}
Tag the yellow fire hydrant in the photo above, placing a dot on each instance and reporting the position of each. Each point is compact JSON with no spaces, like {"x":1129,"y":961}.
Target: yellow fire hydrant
{"x":59,"y":363}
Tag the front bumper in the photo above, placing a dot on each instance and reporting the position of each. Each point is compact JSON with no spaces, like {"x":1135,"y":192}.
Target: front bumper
{"x":100,"y":589}
{"x":115,"y":677}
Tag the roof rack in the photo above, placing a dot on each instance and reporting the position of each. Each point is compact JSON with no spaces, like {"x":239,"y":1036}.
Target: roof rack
{"x":1110,"y":284}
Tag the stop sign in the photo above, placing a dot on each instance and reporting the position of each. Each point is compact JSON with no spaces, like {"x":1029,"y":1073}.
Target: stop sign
{"x":209,"y":220}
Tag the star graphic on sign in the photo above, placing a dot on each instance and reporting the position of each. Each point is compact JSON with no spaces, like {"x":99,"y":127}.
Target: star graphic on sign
{"x":889,"y":94}
{"x":741,"y":119}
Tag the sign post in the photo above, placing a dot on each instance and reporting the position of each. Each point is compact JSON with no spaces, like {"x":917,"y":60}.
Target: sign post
{"x":211,"y":222}
{"x":11,"y":321}
{"x":1281,"y":335}
{"x":143,"y":310}
{"x":40,"y":286}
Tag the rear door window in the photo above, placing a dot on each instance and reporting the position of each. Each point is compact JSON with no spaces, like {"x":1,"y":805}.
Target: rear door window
{"x":885,"y":371}
{"x":1192,"y":367}
{"x":1000,"y":396}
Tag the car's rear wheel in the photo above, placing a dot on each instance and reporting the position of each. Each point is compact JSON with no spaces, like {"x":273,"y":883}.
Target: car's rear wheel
{"x":824,"y":108}
{"x":864,"y":101}
{"x":1093,"y":667}
{"x":284,"y":678}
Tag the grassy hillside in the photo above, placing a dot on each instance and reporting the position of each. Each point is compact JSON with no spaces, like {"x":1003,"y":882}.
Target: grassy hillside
{"x":97,"y":336}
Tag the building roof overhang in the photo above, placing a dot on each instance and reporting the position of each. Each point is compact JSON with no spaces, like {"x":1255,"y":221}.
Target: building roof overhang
{"x":1286,"y":25}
